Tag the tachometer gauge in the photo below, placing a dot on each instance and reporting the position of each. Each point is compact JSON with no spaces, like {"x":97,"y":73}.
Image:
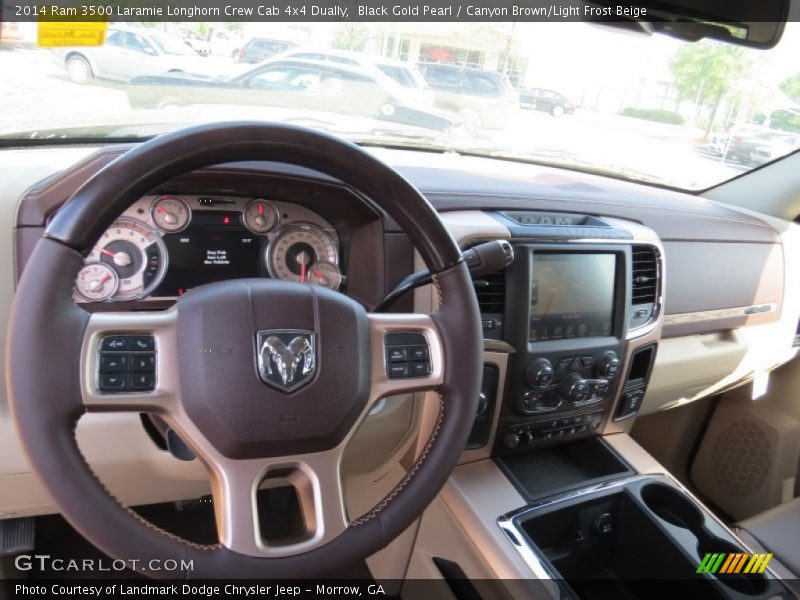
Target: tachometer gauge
{"x":296,"y":248}
{"x":96,"y":282}
{"x":137,"y":255}
{"x":260,"y":216}
{"x":325,"y":274}
{"x":170,"y":213}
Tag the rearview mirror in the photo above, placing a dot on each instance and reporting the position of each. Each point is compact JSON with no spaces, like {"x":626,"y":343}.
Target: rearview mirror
{"x":754,"y":23}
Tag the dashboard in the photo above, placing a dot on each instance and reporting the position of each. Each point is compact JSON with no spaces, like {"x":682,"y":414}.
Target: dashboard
{"x":166,"y":244}
{"x":622,"y":299}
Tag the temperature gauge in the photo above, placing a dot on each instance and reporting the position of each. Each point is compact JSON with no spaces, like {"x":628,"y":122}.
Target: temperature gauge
{"x":325,"y":274}
{"x":260,"y":216}
{"x":96,"y":282}
{"x":170,"y":213}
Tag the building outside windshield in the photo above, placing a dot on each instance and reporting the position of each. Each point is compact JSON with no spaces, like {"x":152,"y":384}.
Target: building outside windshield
{"x":646,"y":108}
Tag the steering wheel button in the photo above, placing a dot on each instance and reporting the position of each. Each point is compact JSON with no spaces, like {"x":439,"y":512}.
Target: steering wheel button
{"x":112,"y":363}
{"x":142,"y":363}
{"x":112,"y":382}
{"x":397,"y":354}
{"x":398,"y":370}
{"x":146,"y":343}
{"x":419,"y":353}
{"x":114,"y":343}
{"x":142,"y":382}
{"x":420,"y":369}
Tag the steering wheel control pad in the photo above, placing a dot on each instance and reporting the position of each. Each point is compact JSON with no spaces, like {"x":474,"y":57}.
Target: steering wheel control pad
{"x":272,"y":368}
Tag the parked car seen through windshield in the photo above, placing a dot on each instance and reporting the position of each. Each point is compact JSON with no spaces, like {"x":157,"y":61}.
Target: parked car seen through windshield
{"x":571,"y":94}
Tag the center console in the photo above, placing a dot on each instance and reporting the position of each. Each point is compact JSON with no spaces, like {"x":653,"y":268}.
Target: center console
{"x":615,"y":534}
{"x":570,"y":309}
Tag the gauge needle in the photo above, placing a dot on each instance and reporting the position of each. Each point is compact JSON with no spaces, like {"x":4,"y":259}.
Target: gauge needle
{"x":121,"y":259}
{"x":98,"y":283}
{"x":104,"y":251}
{"x":303,"y":258}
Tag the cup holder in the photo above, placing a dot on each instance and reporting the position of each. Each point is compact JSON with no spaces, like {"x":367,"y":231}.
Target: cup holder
{"x":675,"y":508}
{"x":672,"y":506}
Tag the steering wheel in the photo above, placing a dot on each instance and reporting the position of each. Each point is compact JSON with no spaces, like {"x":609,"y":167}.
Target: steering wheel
{"x":209,"y":386}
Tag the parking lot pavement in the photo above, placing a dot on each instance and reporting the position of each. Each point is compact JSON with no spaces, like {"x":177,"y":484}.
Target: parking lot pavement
{"x":37,"y":95}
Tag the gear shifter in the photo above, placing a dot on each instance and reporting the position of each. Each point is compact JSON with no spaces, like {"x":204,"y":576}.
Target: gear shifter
{"x":480,"y":260}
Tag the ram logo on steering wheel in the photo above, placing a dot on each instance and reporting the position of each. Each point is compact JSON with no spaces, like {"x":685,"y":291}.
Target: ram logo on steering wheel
{"x":286,"y":358}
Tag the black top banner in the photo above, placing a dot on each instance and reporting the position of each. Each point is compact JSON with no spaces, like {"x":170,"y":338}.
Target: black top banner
{"x":323,"y":10}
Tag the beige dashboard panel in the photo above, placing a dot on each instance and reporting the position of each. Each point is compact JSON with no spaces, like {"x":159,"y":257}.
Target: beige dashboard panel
{"x":687,"y":367}
{"x":121,"y":454}
{"x":695,"y":366}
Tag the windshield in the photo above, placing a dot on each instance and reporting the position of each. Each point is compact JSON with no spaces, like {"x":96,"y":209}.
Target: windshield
{"x":574,"y":95}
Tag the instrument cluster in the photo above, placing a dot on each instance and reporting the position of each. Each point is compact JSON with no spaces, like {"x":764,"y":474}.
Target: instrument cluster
{"x":164,"y":245}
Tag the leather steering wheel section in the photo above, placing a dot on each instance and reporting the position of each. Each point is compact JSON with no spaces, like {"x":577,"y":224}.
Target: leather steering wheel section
{"x":238,"y":435}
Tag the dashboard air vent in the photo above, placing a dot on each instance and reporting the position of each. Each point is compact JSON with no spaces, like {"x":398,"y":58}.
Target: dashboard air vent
{"x":645,"y":275}
{"x":491,"y":292}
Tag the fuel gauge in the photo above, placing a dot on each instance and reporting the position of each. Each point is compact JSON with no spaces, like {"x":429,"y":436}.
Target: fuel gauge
{"x":260,"y":216}
{"x":96,"y":282}
{"x":170,"y":213}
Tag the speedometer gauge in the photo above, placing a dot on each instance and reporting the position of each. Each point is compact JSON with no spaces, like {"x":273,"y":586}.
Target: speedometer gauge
{"x":293,"y":251}
{"x":135,"y":253}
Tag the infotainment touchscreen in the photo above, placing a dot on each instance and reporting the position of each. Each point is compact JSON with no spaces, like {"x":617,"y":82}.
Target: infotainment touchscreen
{"x":572,"y":295}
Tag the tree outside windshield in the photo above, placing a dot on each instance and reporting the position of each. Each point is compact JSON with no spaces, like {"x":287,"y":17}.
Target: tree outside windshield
{"x":654,"y":109}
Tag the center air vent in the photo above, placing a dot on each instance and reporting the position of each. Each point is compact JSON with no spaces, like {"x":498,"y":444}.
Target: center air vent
{"x":491,"y":292}
{"x":645,"y":275}
{"x":644,"y":285}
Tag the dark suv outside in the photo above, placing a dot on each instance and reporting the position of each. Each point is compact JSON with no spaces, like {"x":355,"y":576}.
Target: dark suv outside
{"x":485,"y":100}
{"x":549,"y":101}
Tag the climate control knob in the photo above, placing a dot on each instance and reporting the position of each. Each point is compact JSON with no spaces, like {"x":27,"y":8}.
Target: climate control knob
{"x":608,"y":366}
{"x":574,"y":388}
{"x":539,"y":373}
{"x":511,"y":440}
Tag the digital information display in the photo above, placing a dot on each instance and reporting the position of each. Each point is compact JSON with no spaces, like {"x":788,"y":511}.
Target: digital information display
{"x":572,"y":296}
{"x":199,"y":255}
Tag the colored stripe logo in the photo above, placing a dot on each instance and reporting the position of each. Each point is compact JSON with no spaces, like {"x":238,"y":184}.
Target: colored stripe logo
{"x":737,"y":562}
